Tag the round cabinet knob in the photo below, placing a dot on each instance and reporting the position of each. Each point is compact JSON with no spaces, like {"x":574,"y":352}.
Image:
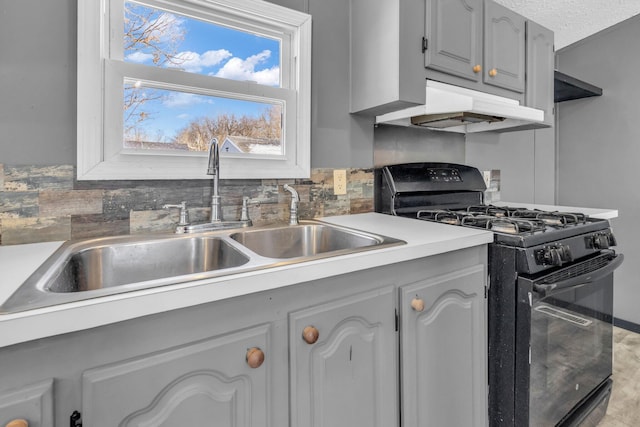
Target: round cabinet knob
{"x":310,"y":334}
{"x":17,"y":423}
{"x":255,"y":357}
{"x":477,"y":68}
{"x":417,"y":304}
{"x":493,"y":72}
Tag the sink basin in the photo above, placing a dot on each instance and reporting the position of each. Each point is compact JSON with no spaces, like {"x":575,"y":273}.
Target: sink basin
{"x":308,"y":240}
{"x":95,"y":268}
{"x":107,"y":266}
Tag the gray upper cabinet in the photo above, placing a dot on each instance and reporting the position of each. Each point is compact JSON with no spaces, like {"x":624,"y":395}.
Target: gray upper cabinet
{"x":476,"y":44}
{"x":386,"y":61}
{"x":343,"y":362}
{"x":504,"y":47}
{"x":443,"y":347}
{"x":453,"y":41}
{"x":540,"y":65}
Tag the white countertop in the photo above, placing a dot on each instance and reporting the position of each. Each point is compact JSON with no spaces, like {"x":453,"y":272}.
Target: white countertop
{"x":18,"y":262}
{"x":592,"y":212}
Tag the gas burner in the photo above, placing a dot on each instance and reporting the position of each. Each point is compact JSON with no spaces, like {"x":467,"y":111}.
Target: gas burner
{"x":555,"y":219}
{"x":440,"y":215}
{"x":490,"y":210}
{"x":508,"y":225}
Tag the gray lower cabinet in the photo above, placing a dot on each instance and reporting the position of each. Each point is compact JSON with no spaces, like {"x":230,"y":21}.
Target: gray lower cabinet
{"x":444,"y":350}
{"x":32,"y":403}
{"x":325,"y":353}
{"x":343,"y":362}
{"x":222,"y":378}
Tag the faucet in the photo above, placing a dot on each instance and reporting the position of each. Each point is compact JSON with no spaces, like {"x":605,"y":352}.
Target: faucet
{"x":215,"y":221}
{"x":295,"y":199}
{"x":214,"y":169}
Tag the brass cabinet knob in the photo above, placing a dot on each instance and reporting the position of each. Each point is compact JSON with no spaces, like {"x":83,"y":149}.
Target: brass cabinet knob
{"x":417,"y":304}
{"x":255,"y":357}
{"x":493,"y":72}
{"x":17,"y":423}
{"x":310,"y":334}
{"x":477,"y":68}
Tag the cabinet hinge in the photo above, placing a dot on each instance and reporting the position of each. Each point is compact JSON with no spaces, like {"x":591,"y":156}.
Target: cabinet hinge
{"x":75,"y":420}
{"x":425,"y":44}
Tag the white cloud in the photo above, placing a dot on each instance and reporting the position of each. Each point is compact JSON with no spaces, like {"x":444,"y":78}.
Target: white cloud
{"x":182,"y":99}
{"x":139,"y":57}
{"x":214,"y":57}
{"x":194,"y":62}
{"x":239,"y":69}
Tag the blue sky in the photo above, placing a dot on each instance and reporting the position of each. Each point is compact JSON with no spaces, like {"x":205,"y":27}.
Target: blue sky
{"x":207,"y":49}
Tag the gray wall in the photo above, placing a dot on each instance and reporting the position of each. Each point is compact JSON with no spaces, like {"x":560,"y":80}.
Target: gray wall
{"x":526,"y":160}
{"x":599,"y":145}
{"x":38,"y":85}
{"x":38,"y":82}
{"x":395,"y":144}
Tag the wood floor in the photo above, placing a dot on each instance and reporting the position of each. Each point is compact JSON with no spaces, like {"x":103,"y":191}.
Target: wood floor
{"x":624,"y":405}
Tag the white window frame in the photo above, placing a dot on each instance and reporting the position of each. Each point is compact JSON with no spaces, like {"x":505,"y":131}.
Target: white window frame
{"x":102,"y":70}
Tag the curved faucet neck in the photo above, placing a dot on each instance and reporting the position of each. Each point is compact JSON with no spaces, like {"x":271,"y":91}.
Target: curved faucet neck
{"x":214,"y":158}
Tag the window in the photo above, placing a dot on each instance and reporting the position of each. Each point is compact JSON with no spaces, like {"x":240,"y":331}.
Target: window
{"x":159,"y":79}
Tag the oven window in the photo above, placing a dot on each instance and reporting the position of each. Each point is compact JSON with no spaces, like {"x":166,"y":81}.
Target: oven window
{"x":571,"y":348}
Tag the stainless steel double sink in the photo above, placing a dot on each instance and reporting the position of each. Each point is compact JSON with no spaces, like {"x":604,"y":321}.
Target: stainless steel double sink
{"x":105,"y":266}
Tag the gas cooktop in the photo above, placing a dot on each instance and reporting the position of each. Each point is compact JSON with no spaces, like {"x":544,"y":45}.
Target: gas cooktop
{"x":454,"y":194}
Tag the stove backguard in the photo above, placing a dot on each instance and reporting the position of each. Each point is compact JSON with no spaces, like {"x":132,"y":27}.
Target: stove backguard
{"x":404,"y":189}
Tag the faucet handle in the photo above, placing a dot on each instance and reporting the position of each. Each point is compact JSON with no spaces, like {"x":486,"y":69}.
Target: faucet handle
{"x":293,"y":210}
{"x":184,"y":213}
{"x":244,"y":215}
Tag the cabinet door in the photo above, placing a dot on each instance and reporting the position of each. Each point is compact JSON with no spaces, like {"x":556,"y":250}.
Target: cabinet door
{"x":453,"y":29}
{"x":540,"y":66}
{"x":208,"y":383}
{"x":443,"y":350}
{"x":33,"y":403}
{"x":344,"y":374}
{"x":504,"y":47}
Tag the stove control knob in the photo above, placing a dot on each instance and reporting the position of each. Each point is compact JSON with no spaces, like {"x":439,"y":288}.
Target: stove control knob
{"x":549,"y":255}
{"x":554,"y":255}
{"x":601,"y":240}
{"x":565,"y":253}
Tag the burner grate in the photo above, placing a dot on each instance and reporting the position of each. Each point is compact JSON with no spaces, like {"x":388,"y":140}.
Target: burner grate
{"x":555,"y":218}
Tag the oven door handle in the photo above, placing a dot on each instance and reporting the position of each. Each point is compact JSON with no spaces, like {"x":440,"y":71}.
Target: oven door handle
{"x":583,"y":279}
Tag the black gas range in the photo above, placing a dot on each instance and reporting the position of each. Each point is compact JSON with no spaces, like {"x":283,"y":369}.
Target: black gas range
{"x":550,"y":295}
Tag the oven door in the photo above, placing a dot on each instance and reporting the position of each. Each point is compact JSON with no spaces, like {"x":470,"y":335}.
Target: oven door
{"x":564,"y":338}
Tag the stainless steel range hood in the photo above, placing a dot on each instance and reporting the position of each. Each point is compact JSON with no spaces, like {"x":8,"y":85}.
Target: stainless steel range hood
{"x":455,"y":109}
